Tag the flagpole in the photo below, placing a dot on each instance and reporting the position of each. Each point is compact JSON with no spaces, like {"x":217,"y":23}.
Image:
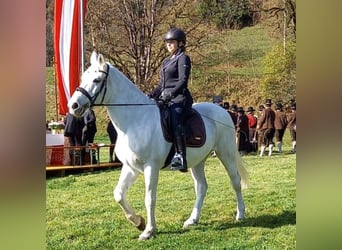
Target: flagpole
{"x":82,"y":43}
{"x":56,"y":88}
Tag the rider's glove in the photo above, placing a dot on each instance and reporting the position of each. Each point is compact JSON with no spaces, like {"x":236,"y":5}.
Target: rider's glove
{"x":166,"y":96}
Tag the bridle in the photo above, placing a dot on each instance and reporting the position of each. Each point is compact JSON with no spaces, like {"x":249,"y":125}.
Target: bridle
{"x":93,"y":98}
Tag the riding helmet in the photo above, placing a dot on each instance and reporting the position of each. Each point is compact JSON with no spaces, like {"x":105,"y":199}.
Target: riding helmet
{"x":175,"y":34}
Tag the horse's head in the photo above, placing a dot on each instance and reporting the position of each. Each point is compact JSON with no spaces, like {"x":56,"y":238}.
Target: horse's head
{"x":92,"y":87}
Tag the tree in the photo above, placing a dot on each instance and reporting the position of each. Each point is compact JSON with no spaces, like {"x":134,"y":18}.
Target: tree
{"x":49,"y":33}
{"x":232,"y":14}
{"x":281,"y":17}
{"x":129,"y":33}
{"x":279,"y":77}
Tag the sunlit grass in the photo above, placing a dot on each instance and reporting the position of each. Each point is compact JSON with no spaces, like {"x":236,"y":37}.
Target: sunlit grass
{"x":81,"y":212}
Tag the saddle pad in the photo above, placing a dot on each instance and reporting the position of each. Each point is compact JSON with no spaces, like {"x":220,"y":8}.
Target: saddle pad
{"x":194,"y":130}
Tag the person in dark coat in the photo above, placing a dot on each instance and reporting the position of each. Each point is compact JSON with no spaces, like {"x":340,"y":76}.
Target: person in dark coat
{"x":266,"y":128}
{"x":280,"y":124}
{"x":113,"y":135}
{"x":233,"y":114}
{"x":173,"y":89}
{"x":89,"y":130}
{"x":73,"y":130}
{"x":242,"y":132}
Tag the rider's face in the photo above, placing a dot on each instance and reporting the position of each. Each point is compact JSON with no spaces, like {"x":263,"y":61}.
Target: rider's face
{"x":171,"y":46}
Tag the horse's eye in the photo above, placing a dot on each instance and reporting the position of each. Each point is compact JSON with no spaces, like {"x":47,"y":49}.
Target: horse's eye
{"x":97,"y":80}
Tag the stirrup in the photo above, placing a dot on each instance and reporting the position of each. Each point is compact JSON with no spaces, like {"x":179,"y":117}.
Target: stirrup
{"x":177,"y":162}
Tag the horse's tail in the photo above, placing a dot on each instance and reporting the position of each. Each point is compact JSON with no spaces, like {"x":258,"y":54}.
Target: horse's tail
{"x":242,"y":170}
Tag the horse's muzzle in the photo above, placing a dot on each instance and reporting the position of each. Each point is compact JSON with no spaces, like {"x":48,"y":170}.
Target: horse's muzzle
{"x":76,"y":109}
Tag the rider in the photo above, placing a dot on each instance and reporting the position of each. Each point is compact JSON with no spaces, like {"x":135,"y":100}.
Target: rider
{"x":173,"y":89}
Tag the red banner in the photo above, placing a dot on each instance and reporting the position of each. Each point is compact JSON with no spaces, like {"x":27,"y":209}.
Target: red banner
{"x":67,"y":48}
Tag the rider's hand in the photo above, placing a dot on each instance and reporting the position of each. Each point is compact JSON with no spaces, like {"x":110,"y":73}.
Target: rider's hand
{"x":166,"y":96}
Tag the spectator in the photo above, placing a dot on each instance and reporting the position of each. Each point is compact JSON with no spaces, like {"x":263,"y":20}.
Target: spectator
{"x":89,"y":130}
{"x":242,"y":131}
{"x":233,"y":114}
{"x":113,"y":135}
{"x":292,"y":126}
{"x":252,"y":123}
{"x":280,"y":124}
{"x":261,"y":108}
{"x":266,"y":128}
{"x":73,"y":131}
{"x":253,"y":135}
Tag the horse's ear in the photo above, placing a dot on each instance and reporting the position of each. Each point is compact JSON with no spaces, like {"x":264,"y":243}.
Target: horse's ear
{"x":101,"y":60}
{"x":93,"y":58}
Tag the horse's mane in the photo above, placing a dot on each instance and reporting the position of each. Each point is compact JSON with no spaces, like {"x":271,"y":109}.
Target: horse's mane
{"x":131,"y":84}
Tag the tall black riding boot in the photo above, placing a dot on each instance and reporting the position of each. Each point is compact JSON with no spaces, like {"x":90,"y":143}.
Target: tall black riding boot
{"x":179,"y":160}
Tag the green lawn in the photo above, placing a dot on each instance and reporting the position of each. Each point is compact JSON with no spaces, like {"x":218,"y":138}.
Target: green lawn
{"x":81,"y":212}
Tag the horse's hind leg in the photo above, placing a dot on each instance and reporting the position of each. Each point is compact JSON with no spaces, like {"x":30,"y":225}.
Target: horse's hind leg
{"x":229,"y":160}
{"x":126,"y":180}
{"x":201,"y":187}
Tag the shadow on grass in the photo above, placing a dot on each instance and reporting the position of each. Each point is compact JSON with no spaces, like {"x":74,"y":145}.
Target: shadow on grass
{"x":265,"y":221}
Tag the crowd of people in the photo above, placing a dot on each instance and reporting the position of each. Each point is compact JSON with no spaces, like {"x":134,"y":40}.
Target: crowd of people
{"x":265,"y":130}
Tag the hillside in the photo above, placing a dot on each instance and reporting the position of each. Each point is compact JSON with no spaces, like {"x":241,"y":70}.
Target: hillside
{"x":230,"y":65}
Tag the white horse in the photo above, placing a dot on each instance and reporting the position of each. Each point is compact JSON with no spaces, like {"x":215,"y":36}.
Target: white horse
{"x":142,"y":148}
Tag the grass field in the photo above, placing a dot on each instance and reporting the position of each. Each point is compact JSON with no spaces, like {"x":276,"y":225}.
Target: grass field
{"x":81,"y":212}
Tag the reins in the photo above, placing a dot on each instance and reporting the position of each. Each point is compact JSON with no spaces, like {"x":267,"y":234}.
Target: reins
{"x":223,"y":124}
{"x":124,"y":104}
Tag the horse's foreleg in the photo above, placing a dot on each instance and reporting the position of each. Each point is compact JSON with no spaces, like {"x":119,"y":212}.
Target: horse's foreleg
{"x":126,"y":180}
{"x":151,"y":181}
{"x":201,"y":187}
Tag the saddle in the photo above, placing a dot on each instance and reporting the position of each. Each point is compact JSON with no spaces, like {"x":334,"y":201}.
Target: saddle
{"x":195,"y":135}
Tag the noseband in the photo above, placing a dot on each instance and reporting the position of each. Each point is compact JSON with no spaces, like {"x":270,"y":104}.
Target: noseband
{"x":93,"y":98}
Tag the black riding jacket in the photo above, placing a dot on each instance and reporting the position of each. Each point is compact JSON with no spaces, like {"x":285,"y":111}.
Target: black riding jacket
{"x":174,"y":76}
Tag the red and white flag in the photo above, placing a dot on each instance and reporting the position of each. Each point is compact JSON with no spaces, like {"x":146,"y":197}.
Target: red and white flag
{"x":68,"y":46}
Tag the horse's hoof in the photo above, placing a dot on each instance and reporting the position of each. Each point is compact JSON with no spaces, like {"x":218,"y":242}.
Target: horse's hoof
{"x":146,"y":236}
{"x":142,"y":224}
{"x":188,"y":224}
{"x":239,"y":218}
